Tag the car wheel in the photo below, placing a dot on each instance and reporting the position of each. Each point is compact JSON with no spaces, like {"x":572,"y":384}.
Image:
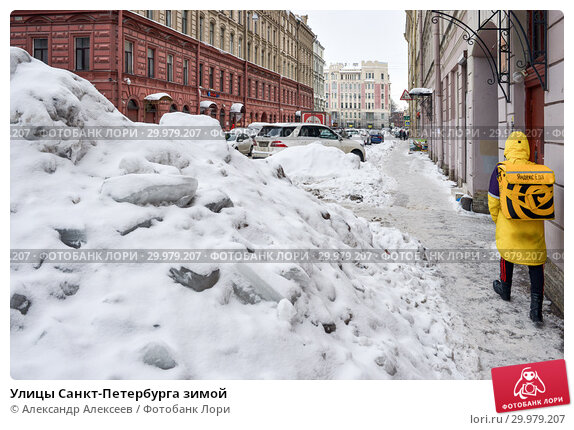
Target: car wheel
{"x":250,"y":153}
{"x":358,"y":154}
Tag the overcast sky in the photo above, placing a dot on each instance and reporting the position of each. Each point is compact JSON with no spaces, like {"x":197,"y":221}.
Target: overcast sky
{"x":352,"y":36}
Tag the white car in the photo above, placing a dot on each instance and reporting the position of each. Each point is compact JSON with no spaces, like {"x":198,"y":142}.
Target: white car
{"x":241,"y":139}
{"x":276,"y":137}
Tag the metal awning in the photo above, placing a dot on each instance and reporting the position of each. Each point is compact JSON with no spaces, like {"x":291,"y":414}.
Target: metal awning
{"x":158,"y":97}
{"x":420,"y":92}
{"x":207,"y":104}
{"x":237,"y":108}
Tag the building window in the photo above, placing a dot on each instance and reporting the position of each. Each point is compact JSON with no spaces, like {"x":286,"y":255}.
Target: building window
{"x":240,"y":47}
{"x":184,"y":22}
{"x":201,"y":75}
{"x":231,"y":43}
{"x":248,"y":58}
{"x":211,"y":77}
{"x":222,"y":38}
{"x":185,"y":72}
{"x":212,"y":33}
{"x":149,"y":14}
{"x":239,"y":85}
{"x":249,"y":88}
{"x":41,"y":50}
{"x":168,"y":18}
{"x":200,"y":28}
{"x":231,"y":83}
{"x":221,"y":80}
{"x":170,"y":68}
{"x":82,"y":53}
{"x":150,"y":63}
{"x":128,"y":57}
{"x":256,"y":52}
{"x":256,"y":89}
{"x":239,"y":16}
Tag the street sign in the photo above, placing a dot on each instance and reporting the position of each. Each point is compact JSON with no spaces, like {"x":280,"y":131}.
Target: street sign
{"x":407,"y":123}
{"x":407,"y":117}
{"x":406,"y":95}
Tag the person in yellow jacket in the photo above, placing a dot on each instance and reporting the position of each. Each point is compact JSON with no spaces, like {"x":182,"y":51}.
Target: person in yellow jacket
{"x":518,"y":241}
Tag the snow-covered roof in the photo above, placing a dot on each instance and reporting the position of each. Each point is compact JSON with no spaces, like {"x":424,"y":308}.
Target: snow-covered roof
{"x":237,"y":108}
{"x":420,"y":92}
{"x":158,"y":97}
{"x":207,"y":104}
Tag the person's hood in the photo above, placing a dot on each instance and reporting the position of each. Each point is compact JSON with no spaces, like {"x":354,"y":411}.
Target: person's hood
{"x":517,"y":147}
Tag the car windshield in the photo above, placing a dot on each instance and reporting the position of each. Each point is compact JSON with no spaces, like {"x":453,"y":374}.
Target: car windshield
{"x":275,"y":131}
{"x":269,"y":131}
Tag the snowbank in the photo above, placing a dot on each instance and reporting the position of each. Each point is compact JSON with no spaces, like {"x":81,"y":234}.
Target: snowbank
{"x":167,"y":315}
{"x":331,"y":174}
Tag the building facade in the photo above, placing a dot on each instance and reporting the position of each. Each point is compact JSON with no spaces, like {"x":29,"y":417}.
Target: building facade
{"x":359,"y":95}
{"x":510,"y":77}
{"x":319,"y":76}
{"x":237,"y":66}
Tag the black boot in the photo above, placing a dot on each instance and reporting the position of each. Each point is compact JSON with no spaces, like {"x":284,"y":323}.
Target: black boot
{"x":536,"y":307}
{"x":502,"y":288}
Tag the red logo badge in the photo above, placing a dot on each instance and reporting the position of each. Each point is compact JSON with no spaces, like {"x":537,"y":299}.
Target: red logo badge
{"x":529,"y":386}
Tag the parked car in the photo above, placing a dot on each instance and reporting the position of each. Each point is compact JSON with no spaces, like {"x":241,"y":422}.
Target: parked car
{"x":241,"y":139}
{"x":276,"y":137}
{"x":377,"y":136}
{"x":255,"y":127}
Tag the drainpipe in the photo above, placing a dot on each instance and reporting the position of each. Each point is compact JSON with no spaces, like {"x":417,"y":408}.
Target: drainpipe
{"x":438,"y":95}
{"x":420,"y":62}
{"x":197,"y":74}
{"x":121,"y":60}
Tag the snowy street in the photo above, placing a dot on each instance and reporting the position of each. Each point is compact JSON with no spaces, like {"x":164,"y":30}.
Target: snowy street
{"x":314,"y":318}
{"x":421,"y":204}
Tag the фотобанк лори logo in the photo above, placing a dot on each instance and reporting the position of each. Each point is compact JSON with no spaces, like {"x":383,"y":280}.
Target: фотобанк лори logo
{"x":529,"y":386}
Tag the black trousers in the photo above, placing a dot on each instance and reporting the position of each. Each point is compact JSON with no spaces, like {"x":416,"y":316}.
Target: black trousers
{"x":536,"y":275}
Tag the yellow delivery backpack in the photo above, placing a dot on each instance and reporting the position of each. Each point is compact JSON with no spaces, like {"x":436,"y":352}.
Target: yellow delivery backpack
{"x":526,"y":191}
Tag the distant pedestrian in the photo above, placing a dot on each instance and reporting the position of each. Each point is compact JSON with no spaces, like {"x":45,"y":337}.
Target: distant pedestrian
{"x":519,"y":241}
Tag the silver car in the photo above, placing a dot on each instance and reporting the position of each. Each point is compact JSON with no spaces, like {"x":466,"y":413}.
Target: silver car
{"x":241,"y":139}
{"x":276,"y":137}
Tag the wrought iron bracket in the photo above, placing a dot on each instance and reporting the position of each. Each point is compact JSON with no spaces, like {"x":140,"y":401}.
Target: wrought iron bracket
{"x":503,"y":23}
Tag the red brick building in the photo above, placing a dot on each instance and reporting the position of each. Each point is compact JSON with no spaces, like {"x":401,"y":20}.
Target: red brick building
{"x":133,"y":60}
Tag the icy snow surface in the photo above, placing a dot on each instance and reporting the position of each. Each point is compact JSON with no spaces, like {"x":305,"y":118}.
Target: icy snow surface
{"x":269,"y":320}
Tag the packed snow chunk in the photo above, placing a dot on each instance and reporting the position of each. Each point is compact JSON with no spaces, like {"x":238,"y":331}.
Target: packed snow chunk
{"x":286,"y":311}
{"x":149,"y":189}
{"x":74,"y":238}
{"x":144,"y":224}
{"x":315,"y":161}
{"x":201,"y":131}
{"x":214,"y":200}
{"x":138,"y":164}
{"x":158,"y":355}
{"x":195,"y":281}
{"x":180,"y":119}
{"x":20,"y":302}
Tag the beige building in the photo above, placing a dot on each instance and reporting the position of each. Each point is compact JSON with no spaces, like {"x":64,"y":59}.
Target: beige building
{"x":480,"y":75}
{"x":278,"y":40}
{"x":359,"y":95}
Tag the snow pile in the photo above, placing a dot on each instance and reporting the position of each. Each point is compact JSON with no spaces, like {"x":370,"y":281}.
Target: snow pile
{"x":163,"y":317}
{"x":331,"y":174}
{"x":316,"y":162}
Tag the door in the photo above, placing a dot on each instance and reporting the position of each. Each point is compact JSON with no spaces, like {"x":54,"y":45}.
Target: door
{"x":535,"y":122}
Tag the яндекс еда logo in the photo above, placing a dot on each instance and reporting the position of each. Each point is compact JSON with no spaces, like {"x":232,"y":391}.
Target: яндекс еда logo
{"x":529,"y":386}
